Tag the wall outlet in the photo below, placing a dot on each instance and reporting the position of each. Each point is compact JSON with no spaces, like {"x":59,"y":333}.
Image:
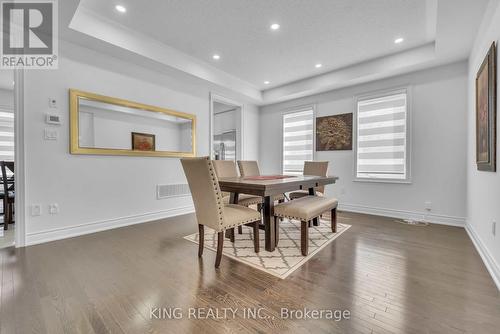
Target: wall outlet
{"x":494,"y":228}
{"x":428,"y":205}
{"x":36,"y":210}
{"x":54,"y":209}
{"x":51,"y":134}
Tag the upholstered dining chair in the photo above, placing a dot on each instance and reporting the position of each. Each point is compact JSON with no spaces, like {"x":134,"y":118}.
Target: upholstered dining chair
{"x":227,"y":168}
{"x":210,"y":208}
{"x":316,"y":168}
{"x":251,"y":168}
{"x":7,"y":193}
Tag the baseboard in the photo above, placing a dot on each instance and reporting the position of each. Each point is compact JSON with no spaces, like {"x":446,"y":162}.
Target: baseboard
{"x":82,"y":229}
{"x":488,"y":260}
{"x":402,"y":214}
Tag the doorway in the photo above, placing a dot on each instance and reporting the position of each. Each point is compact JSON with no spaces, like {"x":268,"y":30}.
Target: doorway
{"x":7,"y":180}
{"x":226,"y":130}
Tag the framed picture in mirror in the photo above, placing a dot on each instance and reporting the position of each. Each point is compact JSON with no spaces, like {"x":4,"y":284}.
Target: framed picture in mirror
{"x":143,"y":141}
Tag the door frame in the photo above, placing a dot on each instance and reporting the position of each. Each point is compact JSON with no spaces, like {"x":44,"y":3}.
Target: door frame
{"x":222,"y":99}
{"x":19,"y":159}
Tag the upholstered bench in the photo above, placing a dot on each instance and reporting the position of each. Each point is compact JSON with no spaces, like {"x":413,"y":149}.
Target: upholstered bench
{"x":305,"y":209}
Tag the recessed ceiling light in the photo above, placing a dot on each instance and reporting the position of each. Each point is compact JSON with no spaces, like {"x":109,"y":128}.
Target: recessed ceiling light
{"x":275,"y":26}
{"x":398,"y":40}
{"x":266,"y":82}
{"x":318,"y":65}
{"x":216,"y":57}
{"x":120,"y":8}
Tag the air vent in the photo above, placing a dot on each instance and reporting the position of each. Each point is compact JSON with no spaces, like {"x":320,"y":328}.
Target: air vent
{"x":172,"y":190}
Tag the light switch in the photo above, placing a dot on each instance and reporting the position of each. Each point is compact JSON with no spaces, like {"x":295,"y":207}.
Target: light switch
{"x":36,"y":210}
{"x":51,"y":134}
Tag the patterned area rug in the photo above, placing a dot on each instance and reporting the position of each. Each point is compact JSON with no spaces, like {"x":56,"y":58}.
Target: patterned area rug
{"x":286,"y":258}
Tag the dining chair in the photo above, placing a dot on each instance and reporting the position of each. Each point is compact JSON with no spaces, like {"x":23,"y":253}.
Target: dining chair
{"x":227,"y":168}
{"x":305,"y":209}
{"x":7,"y":193}
{"x":210,"y":208}
{"x":251,"y":168}
{"x":316,"y":168}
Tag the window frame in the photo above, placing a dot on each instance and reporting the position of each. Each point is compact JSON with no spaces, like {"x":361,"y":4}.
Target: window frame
{"x":409,"y":113}
{"x":291,"y":111}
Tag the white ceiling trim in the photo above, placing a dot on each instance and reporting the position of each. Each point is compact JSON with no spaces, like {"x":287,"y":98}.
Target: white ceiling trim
{"x":90,"y":23}
{"x":379,"y":68}
{"x":441,"y":47}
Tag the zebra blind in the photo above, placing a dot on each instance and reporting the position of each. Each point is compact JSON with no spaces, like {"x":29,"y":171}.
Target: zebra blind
{"x":6,"y":133}
{"x":298,"y":131}
{"x":382,"y":137}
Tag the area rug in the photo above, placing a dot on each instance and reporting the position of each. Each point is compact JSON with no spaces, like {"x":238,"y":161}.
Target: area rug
{"x":286,"y":258}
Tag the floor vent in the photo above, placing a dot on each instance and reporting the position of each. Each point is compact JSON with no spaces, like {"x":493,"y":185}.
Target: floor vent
{"x":412,"y":222}
{"x":172,"y":190}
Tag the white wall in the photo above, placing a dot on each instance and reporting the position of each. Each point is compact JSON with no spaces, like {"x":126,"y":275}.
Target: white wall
{"x":99,"y":192}
{"x":483,"y":188}
{"x":438,"y":112}
{"x":6,"y":97}
{"x":225,"y":121}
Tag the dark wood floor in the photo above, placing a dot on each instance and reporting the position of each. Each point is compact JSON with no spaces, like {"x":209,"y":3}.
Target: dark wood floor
{"x":393,"y":278}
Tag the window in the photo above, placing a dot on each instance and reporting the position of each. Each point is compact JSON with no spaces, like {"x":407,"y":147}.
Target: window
{"x":298,"y":140}
{"x":382,"y":137}
{"x":6,"y":133}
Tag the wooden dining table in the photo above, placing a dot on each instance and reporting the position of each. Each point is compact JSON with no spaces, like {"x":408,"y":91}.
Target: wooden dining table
{"x":267,"y":186}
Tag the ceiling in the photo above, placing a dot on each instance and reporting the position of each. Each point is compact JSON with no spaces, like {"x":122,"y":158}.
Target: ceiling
{"x":334,"y":33}
{"x":352,"y":39}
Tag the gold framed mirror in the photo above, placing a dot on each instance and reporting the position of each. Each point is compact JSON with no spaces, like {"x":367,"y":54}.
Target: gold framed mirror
{"x":102,"y":125}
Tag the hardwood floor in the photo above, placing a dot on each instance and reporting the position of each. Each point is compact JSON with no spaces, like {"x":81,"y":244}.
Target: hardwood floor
{"x":392,"y":278}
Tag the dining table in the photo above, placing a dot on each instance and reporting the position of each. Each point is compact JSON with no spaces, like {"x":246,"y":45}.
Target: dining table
{"x":267,"y":186}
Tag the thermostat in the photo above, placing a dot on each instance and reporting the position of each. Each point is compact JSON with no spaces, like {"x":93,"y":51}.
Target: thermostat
{"x":53,"y":119}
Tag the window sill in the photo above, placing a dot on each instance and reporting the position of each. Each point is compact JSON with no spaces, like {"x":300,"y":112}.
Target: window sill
{"x":407,"y":181}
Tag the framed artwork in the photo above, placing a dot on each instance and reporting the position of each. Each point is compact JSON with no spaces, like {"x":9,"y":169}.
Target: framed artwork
{"x":334,"y":133}
{"x":486,"y":113}
{"x":143,"y":142}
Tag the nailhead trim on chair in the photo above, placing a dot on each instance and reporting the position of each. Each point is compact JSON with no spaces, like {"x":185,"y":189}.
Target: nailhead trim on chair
{"x":296,"y":218}
{"x":217,"y":192}
{"x":219,"y":201}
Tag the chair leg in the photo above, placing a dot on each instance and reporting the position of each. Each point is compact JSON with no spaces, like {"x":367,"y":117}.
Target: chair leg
{"x":5,"y":225}
{"x":220,"y":245}
{"x":231,"y":234}
{"x":304,"y":237}
{"x":6,"y":216}
{"x":316,"y":221}
{"x":256,"y":241}
{"x":201,"y":239}
{"x":277,"y":230}
{"x":334,"y":220}
{"x":240,"y":229}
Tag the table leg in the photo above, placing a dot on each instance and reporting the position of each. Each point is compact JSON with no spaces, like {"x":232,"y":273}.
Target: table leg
{"x":233,"y":199}
{"x":269,"y":226}
{"x":312,"y":192}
